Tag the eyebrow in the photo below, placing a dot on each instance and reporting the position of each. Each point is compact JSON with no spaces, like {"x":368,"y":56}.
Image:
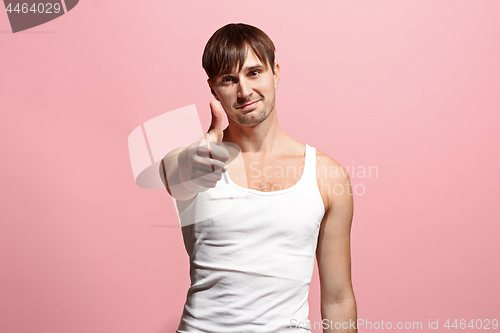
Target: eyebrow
{"x":251,"y":68}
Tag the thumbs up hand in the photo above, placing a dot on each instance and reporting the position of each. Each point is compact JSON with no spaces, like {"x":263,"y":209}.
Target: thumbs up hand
{"x":201,"y":164}
{"x":215,"y":132}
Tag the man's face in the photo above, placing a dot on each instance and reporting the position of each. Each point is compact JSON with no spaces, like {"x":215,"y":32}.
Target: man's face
{"x":247,"y":96}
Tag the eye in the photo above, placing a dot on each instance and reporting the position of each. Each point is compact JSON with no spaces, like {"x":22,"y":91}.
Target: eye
{"x":228,"y":79}
{"x":254,"y":73}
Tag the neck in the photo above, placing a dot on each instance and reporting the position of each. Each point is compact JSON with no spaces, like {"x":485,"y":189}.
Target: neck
{"x":262,"y":138}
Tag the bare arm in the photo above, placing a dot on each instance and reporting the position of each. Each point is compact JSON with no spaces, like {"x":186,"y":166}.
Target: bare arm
{"x":338,"y":304}
{"x":169,"y":170}
{"x":188,"y":171}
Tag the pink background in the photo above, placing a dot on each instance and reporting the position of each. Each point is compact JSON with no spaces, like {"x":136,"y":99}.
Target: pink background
{"x":411,"y":87}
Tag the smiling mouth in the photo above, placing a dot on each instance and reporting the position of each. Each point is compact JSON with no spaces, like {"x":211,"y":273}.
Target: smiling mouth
{"x":249,"y":105}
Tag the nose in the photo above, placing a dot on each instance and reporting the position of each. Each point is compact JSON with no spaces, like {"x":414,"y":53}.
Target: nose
{"x":244,"y":89}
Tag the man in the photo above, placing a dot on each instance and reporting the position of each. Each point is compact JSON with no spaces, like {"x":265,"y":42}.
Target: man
{"x":252,"y":259}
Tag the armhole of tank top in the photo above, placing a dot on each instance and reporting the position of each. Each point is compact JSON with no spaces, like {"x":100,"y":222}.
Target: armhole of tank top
{"x":314,"y":164}
{"x":185,"y":209}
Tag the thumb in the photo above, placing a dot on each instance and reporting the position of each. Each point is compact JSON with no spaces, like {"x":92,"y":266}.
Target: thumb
{"x":215,"y":131}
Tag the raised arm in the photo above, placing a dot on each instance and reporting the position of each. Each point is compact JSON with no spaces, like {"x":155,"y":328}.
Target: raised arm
{"x":187,"y":171}
{"x":338,"y":304}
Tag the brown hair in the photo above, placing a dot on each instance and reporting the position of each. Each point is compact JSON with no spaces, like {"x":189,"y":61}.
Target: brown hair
{"x":227,"y":49}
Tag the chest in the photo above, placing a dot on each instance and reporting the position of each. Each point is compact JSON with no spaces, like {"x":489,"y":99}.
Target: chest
{"x":266,"y":175}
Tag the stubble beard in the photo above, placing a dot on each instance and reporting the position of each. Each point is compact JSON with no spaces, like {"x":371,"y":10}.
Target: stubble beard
{"x":252,"y":119}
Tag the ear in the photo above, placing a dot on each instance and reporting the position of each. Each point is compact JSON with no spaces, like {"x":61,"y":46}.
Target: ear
{"x":212,"y":90}
{"x":276,"y":75}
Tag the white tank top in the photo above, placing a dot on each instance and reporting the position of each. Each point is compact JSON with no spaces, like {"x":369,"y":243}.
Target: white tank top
{"x":251,"y":256}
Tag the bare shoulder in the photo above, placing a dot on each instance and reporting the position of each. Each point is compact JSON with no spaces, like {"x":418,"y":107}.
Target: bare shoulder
{"x":294,"y":147}
{"x":328,"y":169}
{"x":333,"y":179}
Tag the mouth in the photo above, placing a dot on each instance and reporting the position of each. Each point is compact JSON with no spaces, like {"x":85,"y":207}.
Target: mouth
{"x":248,"y":106}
